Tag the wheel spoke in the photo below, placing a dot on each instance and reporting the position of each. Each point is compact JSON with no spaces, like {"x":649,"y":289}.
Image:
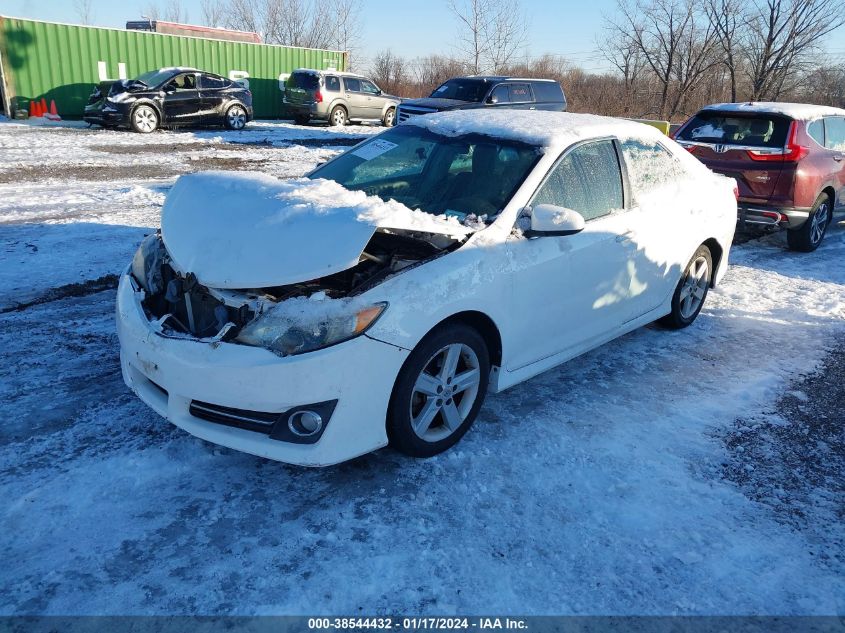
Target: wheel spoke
{"x":466,"y":380}
{"x":450,"y":362}
{"x":427,"y":384}
{"x":451,"y":415}
{"x":422,"y":422}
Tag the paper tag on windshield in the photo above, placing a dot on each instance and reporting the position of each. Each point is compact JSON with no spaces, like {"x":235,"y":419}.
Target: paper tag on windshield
{"x":376,"y":148}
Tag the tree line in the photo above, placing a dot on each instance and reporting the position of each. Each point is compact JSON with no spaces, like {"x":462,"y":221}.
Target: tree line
{"x":664,"y":58}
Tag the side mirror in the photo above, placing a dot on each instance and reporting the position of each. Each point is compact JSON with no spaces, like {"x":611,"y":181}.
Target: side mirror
{"x":550,"y":219}
{"x":492,"y":99}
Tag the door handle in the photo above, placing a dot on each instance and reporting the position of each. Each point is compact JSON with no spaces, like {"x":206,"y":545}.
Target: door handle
{"x":625,"y":237}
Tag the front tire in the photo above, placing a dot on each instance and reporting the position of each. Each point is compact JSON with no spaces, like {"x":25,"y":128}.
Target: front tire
{"x":691,"y":290}
{"x":439,"y":391}
{"x":338,"y":116}
{"x":236,"y":117}
{"x":144,"y":119}
{"x":389,"y":119}
{"x":809,"y":235}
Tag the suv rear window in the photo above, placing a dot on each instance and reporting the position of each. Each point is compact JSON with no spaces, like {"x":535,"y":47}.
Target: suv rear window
{"x":760,"y":130}
{"x":548,"y":91}
{"x":305,"y":81}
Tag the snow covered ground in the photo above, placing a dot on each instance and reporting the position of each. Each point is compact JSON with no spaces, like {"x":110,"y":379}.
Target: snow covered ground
{"x":598,"y":488}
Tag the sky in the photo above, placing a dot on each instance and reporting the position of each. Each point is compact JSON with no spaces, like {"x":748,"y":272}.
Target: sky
{"x":410,"y":29}
{"x":561,"y":27}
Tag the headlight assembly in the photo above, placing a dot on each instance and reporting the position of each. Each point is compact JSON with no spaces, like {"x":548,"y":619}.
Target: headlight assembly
{"x":303,"y":324}
{"x":146,"y":265}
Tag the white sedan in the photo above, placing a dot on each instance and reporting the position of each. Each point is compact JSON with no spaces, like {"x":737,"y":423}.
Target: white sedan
{"x":379,"y":299}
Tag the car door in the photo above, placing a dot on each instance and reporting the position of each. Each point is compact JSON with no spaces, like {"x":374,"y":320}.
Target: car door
{"x":660,"y":220}
{"x":182,"y":103}
{"x":500,"y":96}
{"x":373,"y":101}
{"x":213,"y":96}
{"x":571,"y":291}
{"x":356,"y":100}
{"x":834,"y":142}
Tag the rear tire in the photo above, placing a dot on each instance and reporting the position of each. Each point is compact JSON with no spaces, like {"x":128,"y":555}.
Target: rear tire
{"x":144,"y":119}
{"x":236,"y":117}
{"x":439,"y":391}
{"x":338,"y":116}
{"x":809,"y":235}
{"x":691,"y":290}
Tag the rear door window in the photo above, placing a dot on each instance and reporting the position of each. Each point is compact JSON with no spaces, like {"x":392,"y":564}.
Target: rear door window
{"x":816,"y":131}
{"x":211,"y":82}
{"x":332,"y":83}
{"x":587,"y":180}
{"x":834,"y":128}
{"x":352,"y":84}
{"x":762,"y":130}
{"x":547,"y":91}
{"x":650,"y":166}
{"x":520,"y":93}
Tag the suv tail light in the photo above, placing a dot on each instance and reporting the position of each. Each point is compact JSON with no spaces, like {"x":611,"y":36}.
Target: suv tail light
{"x":792,"y":153}
{"x":318,"y":97}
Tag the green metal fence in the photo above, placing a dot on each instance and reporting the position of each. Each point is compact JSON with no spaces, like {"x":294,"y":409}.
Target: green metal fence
{"x":63,"y":62}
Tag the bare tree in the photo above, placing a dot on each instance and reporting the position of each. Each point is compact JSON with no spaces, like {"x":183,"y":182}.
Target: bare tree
{"x":490,"y":32}
{"x":389,"y":71}
{"x":173,"y":11}
{"x":624,"y":54}
{"x":675,"y":43}
{"x":726,"y":18}
{"x":83,"y":11}
{"x":214,"y":12}
{"x":782,"y":35}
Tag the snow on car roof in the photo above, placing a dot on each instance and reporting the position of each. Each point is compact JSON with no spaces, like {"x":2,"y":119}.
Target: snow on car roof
{"x":795,"y":110}
{"x":535,"y":127}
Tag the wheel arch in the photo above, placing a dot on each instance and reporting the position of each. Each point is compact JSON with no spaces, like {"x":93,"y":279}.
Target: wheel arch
{"x":716,"y":253}
{"x":148,"y":102}
{"x":481,"y":323}
{"x":831,"y":195}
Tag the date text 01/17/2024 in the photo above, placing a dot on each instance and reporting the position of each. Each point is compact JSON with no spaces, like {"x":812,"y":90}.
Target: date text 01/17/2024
{"x":416,"y":623}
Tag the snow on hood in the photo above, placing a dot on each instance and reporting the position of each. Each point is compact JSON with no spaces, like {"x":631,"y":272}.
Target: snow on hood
{"x":250,"y":230}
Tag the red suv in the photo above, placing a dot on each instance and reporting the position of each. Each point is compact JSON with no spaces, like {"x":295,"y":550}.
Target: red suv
{"x":787,"y":160}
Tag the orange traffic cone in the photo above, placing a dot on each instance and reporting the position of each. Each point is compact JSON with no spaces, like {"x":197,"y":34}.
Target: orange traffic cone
{"x":43,"y":106}
{"x":53,"y":110}
{"x":32,"y":109}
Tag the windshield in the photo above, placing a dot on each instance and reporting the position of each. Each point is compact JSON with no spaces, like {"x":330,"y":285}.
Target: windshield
{"x":154,"y":77}
{"x":467,"y":177}
{"x":462,"y":89}
{"x":758,"y":130}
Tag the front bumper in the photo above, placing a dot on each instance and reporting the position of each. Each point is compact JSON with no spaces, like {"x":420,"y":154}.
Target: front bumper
{"x":169,"y":374}
{"x":104,"y":115}
{"x":769,"y":217}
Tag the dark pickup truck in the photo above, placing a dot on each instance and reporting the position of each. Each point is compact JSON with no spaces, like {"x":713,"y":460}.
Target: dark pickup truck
{"x":487,"y":92}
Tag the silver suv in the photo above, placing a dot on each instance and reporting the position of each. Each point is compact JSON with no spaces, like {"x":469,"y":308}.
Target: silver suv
{"x":336,"y":97}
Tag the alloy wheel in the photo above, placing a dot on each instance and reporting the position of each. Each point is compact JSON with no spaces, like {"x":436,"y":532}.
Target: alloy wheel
{"x":338,"y":117}
{"x":445,"y":392}
{"x":819,"y":223}
{"x":695,"y":287}
{"x":236,"y":118}
{"x":145,"y":119}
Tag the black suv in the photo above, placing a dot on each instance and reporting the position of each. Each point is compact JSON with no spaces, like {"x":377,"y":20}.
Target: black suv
{"x":486,"y":92}
{"x":170,"y":96}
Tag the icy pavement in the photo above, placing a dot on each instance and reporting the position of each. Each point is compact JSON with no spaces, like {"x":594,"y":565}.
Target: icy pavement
{"x":606,"y":486}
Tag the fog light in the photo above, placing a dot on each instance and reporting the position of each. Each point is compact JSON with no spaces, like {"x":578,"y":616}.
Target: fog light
{"x":305,"y":423}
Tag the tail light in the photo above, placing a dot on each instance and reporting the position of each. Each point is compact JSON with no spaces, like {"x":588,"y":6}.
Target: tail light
{"x":792,"y":153}
{"x":318,"y":97}
{"x":736,"y":191}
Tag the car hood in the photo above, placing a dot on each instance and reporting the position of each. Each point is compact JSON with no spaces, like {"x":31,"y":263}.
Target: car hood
{"x":249,"y":230}
{"x":440,"y":104}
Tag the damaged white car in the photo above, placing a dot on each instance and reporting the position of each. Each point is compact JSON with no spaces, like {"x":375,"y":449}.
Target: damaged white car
{"x":380,"y":298}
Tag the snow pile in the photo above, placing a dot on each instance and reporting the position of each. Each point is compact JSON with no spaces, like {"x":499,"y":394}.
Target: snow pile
{"x":794,"y":110}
